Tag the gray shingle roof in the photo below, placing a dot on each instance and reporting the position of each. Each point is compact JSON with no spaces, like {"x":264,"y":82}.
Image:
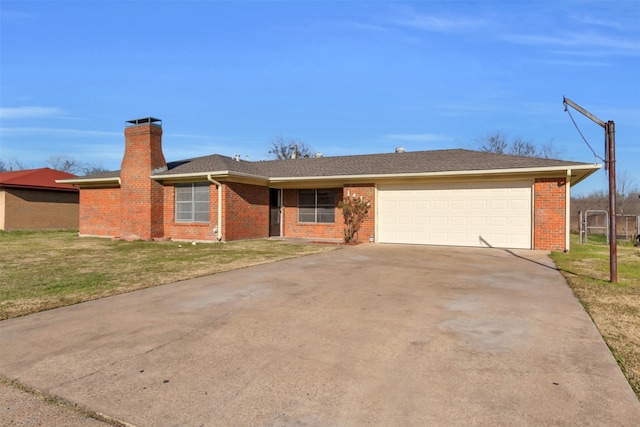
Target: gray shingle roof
{"x":369,"y":164}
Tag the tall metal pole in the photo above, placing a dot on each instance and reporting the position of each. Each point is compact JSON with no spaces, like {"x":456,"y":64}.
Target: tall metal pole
{"x":613,"y":230}
{"x":610,"y":148}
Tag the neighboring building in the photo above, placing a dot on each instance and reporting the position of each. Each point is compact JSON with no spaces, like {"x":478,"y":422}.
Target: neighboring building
{"x":442,"y":197}
{"x":33,"y":200}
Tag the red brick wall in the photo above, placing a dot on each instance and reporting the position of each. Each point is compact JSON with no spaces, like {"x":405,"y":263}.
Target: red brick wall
{"x":100,"y":212}
{"x":245,"y":211}
{"x":189,"y":231}
{"x":142,"y":197}
{"x":367,"y":191}
{"x":549,"y":201}
{"x":293,"y":228}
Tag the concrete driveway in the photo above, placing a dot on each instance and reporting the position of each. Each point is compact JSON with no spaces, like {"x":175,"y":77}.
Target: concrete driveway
{"x":365,"y":335}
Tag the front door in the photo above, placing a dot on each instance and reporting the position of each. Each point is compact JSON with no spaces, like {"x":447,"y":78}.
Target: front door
{"x":274,"y":211}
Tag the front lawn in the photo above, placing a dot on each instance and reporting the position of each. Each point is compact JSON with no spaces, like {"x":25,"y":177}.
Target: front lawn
{"x":44,"y":270}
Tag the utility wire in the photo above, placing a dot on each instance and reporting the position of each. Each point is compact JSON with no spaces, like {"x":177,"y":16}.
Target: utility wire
{"x":595,"y":155}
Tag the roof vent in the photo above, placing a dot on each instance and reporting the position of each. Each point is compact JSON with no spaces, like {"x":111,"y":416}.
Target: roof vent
{"x":317,"y":155}
{"x":399,"y":149}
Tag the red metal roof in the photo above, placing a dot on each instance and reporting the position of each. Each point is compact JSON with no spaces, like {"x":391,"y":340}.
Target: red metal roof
{"x":36,"y":179}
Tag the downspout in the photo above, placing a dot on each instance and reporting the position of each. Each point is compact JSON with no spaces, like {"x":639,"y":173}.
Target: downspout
{"x":567,"y":194}
{"x":219,"y":187}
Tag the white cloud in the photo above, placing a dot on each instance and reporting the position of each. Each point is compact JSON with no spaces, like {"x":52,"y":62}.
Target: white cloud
{"x":195,"y":136}
{"x":14,"y":15}
{"x":23,"y":131}
{"x":421,"y":21}
{"x":469,"y":107}
{"x":420,"y":137}
{"x":575,"y":63}
{"x":581,"y":40}
{"x":30,"y":112}
{"x":587,"y":20}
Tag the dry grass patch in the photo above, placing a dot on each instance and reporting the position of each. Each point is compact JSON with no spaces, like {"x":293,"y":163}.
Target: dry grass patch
{"x":44,"y":270}
{"x":614,"y":308}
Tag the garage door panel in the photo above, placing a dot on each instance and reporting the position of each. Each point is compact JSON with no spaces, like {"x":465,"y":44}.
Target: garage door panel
{"x":519,"y":204}
{"x":458,"y":220}
{"x":498,"y":204}
{"x":440,"y":220}
{"x":478,"y":204}
{"x":440,"y":205}
{"x":475,"y":221}
{"x":459,"y":204}
{"x":456,"y":214}
{"x":519,"y":222}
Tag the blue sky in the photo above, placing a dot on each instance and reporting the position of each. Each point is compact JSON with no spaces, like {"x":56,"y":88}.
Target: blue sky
{"x":346,"y":77}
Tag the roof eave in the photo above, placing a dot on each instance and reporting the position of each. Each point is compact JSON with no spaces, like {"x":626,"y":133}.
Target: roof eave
{"x":582,"y":174}
{"x":38,"y":187}
{"x":586,"y":169}
{"x":90,"y":181}
{"x":218,"y":175}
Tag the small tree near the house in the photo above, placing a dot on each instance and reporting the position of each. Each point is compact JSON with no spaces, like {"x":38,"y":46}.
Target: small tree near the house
{"x":355,"y":210}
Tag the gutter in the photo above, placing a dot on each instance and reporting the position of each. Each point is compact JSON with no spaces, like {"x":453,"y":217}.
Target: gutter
{"x":219,"y":187}
{"x":442,"y":173}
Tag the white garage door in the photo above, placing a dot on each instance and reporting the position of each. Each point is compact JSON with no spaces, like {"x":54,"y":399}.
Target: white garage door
{"x":496,"y":214}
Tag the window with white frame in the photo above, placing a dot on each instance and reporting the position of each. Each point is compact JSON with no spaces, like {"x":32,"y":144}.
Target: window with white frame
{"x":192,"y":202}
{"x":316,"y":205}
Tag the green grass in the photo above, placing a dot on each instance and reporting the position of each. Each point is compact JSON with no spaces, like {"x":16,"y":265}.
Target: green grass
{"x":44,"y":270}
{"x":614,"y":308}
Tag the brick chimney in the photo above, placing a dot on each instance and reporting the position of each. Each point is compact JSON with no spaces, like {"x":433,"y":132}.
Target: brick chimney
{"x":142,"y":197}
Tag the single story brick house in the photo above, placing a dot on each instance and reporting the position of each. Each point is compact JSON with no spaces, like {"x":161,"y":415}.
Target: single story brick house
{"x":33,"y":200}
{"x":442,"y":197}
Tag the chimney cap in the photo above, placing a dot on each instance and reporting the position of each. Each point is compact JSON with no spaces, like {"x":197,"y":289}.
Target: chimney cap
{"x":144,"y":121}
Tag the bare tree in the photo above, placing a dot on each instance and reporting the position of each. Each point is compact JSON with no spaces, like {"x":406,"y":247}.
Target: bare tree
{"x":12,"y":165}
{"x":63,"y":163}
{"x":499,"y":143}
{"x":549,"y":151}
{"x":494,"y":143}
{"x":282,"y":148}
{"x":626,"y":191}
{"x":92,"y":168}
{"x":520,"y":147}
